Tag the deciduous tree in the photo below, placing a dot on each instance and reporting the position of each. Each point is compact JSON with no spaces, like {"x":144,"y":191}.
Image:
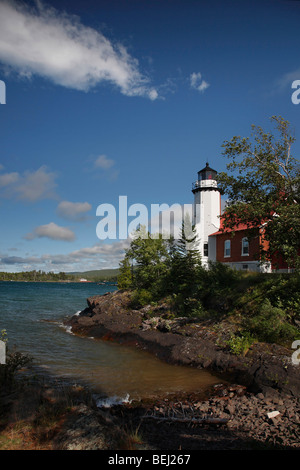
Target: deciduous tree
{"x":263,"y":187}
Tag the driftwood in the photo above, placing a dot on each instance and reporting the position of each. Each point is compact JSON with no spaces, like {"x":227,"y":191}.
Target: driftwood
{"x":189,"y":420}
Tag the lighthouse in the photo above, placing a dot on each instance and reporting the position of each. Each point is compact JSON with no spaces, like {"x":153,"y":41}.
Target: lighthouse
{"x":206,"y":212}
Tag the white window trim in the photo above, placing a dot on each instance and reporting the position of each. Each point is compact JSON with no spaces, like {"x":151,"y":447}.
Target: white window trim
{"x":245,"y":238}
{"x":227,"y":256}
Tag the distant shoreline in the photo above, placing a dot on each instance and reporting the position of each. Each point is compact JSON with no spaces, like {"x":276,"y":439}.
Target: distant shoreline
{"x":97,"y":276}
{"x":60,"y":281}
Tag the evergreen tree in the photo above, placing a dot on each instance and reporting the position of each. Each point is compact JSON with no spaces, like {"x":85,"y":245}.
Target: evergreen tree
{"x":155,"y":267}
{"x":125,"y":276}
{"x":186,"y":269}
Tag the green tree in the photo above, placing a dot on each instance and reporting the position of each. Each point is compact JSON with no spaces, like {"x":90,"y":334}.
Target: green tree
{"x":185,"y":269}
{"x":148,"y":254}
{"x":125,"y":275}
{"x":264,"y":188}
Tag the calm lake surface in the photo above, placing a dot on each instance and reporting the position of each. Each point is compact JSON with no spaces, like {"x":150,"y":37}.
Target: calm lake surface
{"x":33,"y":314}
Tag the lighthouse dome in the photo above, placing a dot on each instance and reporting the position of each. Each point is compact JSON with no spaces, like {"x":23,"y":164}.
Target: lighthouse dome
{"x":207,"y":173}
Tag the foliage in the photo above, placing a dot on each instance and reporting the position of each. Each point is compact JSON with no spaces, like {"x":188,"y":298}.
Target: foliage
{"x":284,"y":292}
{"x":141,"y":297}
{"x":15,"y":360}
{"x":269,"y":324}
{"x":125,"y":274}
{"x":148,"y":254}
{"x":264,"y":188}
{"x":218,"y":288}
{"x":155,"y":267}
{"x":269,"y":306}
{"x":185,"y":270}
{"x":3,"y":336}
{"x":239,"y":343}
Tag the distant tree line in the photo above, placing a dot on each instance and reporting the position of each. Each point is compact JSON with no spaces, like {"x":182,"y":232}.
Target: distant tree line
{"x":106,"y":275}
{"x":36,"y":276}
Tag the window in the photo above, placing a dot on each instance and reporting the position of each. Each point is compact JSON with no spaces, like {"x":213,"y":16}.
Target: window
{"x":227,"y":248}
{"x":205,"y":249}
{"x":245,"y":247}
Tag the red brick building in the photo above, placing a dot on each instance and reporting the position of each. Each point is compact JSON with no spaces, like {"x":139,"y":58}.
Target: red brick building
{"x":233,"y":247}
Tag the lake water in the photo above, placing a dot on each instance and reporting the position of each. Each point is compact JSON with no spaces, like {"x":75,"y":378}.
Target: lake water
{"x":33,"y":314}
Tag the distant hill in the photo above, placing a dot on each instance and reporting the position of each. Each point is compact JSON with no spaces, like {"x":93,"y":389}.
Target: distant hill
{"x":98,"y":275}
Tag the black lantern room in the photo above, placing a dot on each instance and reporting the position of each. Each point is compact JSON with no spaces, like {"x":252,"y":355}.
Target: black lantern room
{"x":207,"y":173}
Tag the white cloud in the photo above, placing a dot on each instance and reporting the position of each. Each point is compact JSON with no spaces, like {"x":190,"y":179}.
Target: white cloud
{"x":103,"y":162}
{"x":73,"y":210}
{"x":99,"y":256}
{"x":36,"y":185}
{"x":113,"y":251}
{"x":8,"y":178}
{"x":197,"y":82}
{"x":153,"y":95}
{"x":286,"y":80}
{"x":53,"y":231}
{"x":45,"y":42}
{"x":106,"y":164}
{"x":9,"y":260}
{"x":30,"y":186}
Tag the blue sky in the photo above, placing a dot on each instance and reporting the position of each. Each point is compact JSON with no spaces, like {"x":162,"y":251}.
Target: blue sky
{"x":127,"y":98}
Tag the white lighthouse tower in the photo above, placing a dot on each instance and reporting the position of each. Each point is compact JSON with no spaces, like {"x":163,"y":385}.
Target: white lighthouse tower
{"x":206,"y":212}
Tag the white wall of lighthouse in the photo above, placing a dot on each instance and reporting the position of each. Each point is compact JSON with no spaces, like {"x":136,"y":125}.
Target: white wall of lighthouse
{"x":206,"y":212}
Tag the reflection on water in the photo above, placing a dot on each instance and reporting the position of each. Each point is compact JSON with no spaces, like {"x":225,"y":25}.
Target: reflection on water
{"x":32,"y":314}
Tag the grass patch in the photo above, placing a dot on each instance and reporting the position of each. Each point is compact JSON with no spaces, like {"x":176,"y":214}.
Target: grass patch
{"x":33,"y":412}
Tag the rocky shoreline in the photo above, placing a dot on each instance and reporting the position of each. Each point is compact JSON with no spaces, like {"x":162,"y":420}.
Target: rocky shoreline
{"x":230,"y":419}
{"x":259,"y":409}
{"x":265,"y":368}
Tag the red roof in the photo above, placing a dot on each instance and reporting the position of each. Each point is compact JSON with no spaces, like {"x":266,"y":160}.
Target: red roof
{"x":235,"y":228}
